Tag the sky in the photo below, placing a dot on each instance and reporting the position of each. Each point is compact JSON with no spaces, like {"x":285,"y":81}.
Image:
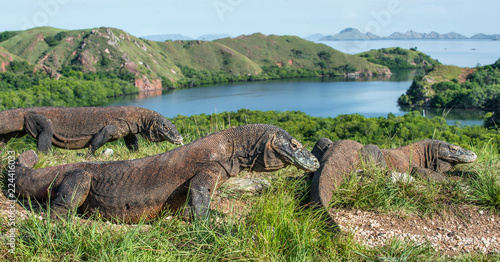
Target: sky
{"x":194,"y":18}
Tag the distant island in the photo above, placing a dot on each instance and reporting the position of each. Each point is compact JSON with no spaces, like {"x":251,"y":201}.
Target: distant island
{"x":353,"y":34}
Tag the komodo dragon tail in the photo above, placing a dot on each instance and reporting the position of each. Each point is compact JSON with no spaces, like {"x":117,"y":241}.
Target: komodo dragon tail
{"x":27,"y":159}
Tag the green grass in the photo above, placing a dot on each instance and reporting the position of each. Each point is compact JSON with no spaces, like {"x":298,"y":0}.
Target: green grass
{"x":442,"y":73}
{"x":275,"y":226}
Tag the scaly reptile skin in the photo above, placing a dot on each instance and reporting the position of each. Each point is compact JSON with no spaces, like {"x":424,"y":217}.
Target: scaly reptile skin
{"x":428,"y":158}
{"x":82,"y":127}
{"x":143,"y":188}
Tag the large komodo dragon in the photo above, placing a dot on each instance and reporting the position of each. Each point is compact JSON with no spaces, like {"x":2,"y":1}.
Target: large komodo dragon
{"x":426,"y":158}
{"x":143,"y":188}
{"x":81,"y":127}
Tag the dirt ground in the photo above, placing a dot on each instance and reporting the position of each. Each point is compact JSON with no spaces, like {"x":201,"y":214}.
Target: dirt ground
{"x":465,"y":230}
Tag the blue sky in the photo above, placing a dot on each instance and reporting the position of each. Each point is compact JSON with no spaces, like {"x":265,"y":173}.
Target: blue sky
{"x":235,"y":17}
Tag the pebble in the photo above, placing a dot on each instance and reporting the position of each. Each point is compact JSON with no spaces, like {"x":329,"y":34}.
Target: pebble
{"x":108,"y":152}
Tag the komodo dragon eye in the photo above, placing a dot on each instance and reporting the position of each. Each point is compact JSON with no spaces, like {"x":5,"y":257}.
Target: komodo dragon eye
{"x":295,"y":144}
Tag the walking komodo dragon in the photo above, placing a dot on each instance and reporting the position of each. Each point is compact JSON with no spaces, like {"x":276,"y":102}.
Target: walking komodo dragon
{"x":86,"y":127}
{"x":428,"y":159}
{"x":143,"y":188}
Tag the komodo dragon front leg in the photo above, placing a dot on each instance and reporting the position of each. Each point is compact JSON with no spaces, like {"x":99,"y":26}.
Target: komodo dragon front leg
{"x":101,"y":138}
{"x":113,"y":132}
{"x":132,"y":142}
{"x":201,"y":188}
{"x":41,"y":128}
{"x":72,"y":192}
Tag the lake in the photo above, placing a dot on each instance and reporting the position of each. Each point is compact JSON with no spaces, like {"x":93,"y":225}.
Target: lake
{"x":322,"y":97}
{"x":328,"y":97}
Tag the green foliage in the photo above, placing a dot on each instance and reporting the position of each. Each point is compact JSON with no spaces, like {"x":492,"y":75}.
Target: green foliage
{"x":324,"y":55}
{"x":21,"y":87}
{"x":399,"y":58}
{"x":481,"y":89}
{"x":54,"y":40}
{"x":385,"y":132}
{"x":4,"y":36}
{"x":20,"y":67}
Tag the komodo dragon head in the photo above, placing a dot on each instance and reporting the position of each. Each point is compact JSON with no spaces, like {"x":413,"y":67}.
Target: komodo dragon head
{"x":446,"y":155}
{"x":288,"y":150}
{"x":161,"y":129}
{"x":454,"y":154}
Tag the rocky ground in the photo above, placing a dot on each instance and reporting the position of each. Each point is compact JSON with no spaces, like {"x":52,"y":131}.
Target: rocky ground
{"x":465,"y":230}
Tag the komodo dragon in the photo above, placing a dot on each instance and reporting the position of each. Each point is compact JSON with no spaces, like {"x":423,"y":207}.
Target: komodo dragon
{"x":92,"y":127}
{"x":143,"y":188}
{"x":426,"y":158}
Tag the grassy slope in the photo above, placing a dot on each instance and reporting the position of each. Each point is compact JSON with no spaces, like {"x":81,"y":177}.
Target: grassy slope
{"x":292,"y":51}
{"x":6,"y":56}
{"x":443,"y":73}
{"x":211,"y":56}
{"x":421,"y":89}
{"x":29,"y":44}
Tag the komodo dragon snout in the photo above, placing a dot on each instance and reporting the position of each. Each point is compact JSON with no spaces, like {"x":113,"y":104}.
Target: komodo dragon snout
{"x":293,"y":152}
{"x":162,"y":129}
{"x":454,"y":154}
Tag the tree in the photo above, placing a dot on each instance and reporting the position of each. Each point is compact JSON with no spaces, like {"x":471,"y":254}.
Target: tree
{"x":323,"y":55}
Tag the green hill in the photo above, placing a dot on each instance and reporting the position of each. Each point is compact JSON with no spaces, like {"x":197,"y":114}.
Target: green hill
{"x":399,"y":58}
{"x":295,"y":52}
{"x":211,"y":56}
{"x":155,"y":65}
{"x":455,"y":87}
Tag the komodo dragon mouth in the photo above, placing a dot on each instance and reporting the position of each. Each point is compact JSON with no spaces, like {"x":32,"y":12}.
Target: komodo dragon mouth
{"x":162,"y":130}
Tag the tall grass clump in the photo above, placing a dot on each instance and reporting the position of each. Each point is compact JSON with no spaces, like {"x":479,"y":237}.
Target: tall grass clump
{"x":484,"y":185}
{"x":376,"y":189}
{"x":400,"y":250}
{"x":282,"y":228}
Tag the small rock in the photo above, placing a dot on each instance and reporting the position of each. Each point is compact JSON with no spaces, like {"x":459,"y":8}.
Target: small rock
{"x":108,"y":152}
{"x":251,"y":185}
{"x":401,"y":177}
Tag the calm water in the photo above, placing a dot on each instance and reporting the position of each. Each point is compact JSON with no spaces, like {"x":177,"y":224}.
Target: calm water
{"x":463,"y":53}
{"x":323,"y":97}
{"x":328,"y":97}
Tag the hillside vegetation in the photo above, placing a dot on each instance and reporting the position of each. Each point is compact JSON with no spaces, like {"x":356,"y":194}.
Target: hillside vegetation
{"x":116,"y":55}
{"x":294,"y":52}
{"x":399,"y":58}
{"x":451,"y":86}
